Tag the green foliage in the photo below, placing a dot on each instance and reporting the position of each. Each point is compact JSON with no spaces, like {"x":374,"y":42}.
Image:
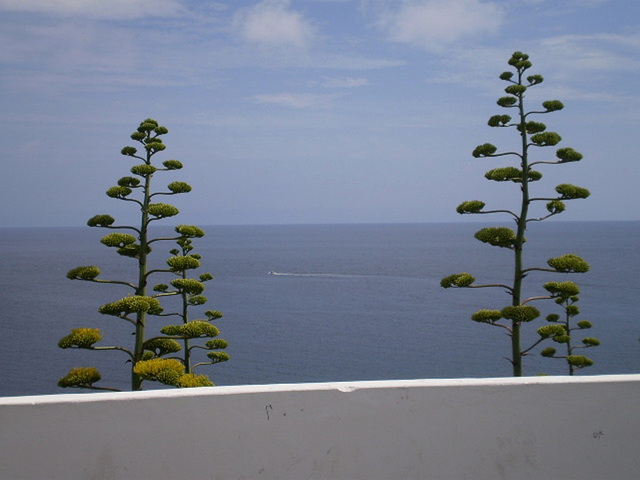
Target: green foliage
{"x":129,"y":182}
{"x":172,"y":165}
{"x":569,"y":263}
{"x":145,"y":355}
{"x":101,"y":221}
{"x":192,"y":329}
{"x":118,"y":240}
{"x":143,"y":170}
{"x":213,"y":315}
{"x":499,"y":121}
{"x":216,"y":344}
{"x":188,"y":285}
{"x":182,"y":263}
{"x":119,"y":192}
{"x":485,"y":150}
{"x":83,"y":377}
{"x":533,"y":127}
{"x":189,"y":290}
{"x":520,"y":313}
{"x":191,"y":380}
{"x":179,"y":187}
{"x":486,"y":316}
{"x":551,"y":331}
{"x":511,"y":174}
{"x":516,"y":90}
{"x":162,"y":346}
{"x":189,"y":231}
{"x":218,"y":357}
{"x":504,"y":174}
{"x":520,"y":61}
{"x":567,"y":296}
{"x":534,"y":79}
{"x":459,"y":280}
{"x":497,"y":236}
{"x":83,"y":273}
{"x":473,"y":206}
{"x":579,"y":361}
{"x":555,"y":207}
{"x":133,"y":304}
{"x":562,"y":289}
{"x":155,"y":147}
{"x":568,"y":155}
{"x":163,"y":370}
{"x":162,"y":210}
{"x":197,"y":300}
{"x":546,"y":139}
{"x":507,"y":102}
{"x":571,"y":192}
{"x":81,"y":338}
{"x":129,"y":151}
{"x":533,"y":137}
{"x":552,"y":105}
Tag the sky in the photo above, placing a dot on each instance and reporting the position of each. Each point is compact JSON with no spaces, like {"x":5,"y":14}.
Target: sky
{"x":310,"y":111}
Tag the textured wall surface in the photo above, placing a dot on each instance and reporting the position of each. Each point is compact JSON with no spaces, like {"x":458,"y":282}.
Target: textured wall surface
{"x":526,"y":428}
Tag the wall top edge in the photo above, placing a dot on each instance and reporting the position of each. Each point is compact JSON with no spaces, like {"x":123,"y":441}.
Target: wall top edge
{"x":302,"y":387}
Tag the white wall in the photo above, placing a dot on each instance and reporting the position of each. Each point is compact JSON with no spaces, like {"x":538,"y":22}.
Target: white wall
{"x":530,"y":428}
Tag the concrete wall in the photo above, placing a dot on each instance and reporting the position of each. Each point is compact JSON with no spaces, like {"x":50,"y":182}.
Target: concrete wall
{"x":530,"y":428}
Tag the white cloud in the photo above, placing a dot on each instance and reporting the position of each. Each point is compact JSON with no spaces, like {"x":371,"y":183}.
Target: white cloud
{"x":590,"y":67}
{"x":346,"y":61}
{"x":295,"y":100}
{"x":434,"y":23}
{"x":271,"y":23}
{"x":598,"y":52}
{"x":589,"y":3}
{"x":72,"y":54}
{"x":344,"y":82}
{"x":103,"y":9}
{"x":582,"y":67}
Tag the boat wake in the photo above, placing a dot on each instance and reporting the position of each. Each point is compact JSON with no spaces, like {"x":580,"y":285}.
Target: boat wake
{"x":325,"y":275}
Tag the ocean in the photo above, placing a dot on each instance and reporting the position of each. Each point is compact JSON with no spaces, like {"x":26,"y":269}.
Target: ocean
{"x":347,"y":302}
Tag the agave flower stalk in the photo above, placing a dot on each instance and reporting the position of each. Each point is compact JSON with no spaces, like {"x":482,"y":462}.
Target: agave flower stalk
{"x":135,"y":242}
{"x":534,"y":139}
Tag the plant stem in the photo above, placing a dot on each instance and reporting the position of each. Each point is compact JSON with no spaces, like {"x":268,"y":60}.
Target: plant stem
{"x":185,"y":319}
{"x":136,"y":380}
{"x":516,"y":349}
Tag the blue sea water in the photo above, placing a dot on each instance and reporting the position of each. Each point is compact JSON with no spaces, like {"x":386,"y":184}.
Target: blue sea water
{"x":349,"y":302}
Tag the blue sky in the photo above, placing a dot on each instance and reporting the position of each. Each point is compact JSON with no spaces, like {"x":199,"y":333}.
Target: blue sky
{"x":309,"y":111}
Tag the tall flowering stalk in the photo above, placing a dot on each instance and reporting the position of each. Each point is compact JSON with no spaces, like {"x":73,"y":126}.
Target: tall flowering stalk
{"x":148,"y":357}
{"x":533,"y":138}
{"x":568,"y":301}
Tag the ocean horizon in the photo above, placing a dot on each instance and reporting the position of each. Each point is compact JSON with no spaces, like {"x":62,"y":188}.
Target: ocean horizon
{"x":347,"y":302}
